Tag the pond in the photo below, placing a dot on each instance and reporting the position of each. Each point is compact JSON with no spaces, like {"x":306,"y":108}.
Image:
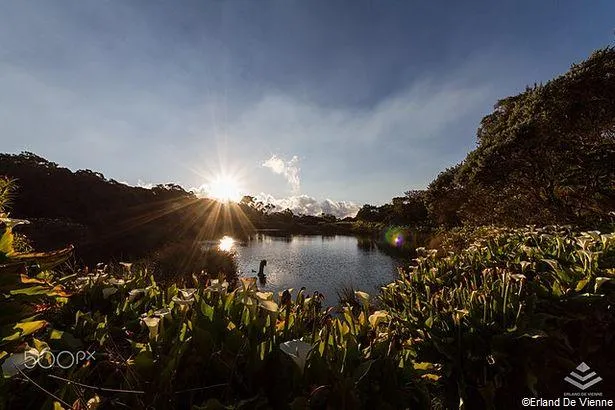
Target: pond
{"x":322,"y":263}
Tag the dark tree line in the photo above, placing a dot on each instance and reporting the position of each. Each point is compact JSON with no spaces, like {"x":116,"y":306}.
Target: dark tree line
{"x":103,"y":218}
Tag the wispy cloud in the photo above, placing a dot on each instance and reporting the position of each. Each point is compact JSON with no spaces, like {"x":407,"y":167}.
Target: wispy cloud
{"x":289,"y":169}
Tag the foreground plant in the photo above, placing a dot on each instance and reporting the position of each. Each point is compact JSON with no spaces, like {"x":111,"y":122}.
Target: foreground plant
{"x":494,"y":314}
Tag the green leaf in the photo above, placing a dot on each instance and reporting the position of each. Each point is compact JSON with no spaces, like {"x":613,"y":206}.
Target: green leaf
{"x":144,"y":362}
{"x":362,"y":370}
{"x":57,"y":406}
{"x":66,"y":339}
{"x":6,"y":243}
{"x":23,"y":329}
{"x":581,"y":284}
{"x":423,"y":366}
{"x":207,"y":310}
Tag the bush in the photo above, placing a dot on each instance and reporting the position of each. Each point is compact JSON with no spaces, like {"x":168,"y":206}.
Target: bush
{"x":509,"y":314}
{"x":178,"y":261}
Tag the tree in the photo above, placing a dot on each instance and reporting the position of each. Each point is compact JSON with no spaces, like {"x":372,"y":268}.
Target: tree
{"x":544,"y":156}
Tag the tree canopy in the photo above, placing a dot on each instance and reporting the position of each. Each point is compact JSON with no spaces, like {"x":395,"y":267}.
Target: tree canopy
{"x":544,"y":156}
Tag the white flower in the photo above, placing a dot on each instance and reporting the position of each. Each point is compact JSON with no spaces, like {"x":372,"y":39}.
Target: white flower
{"x":10,"y":222}
{"x":377,"y":317}
{"x":153,"y":324}
{"x":298,"y":350}
{"x":98,"y":276}
{"x":132,"y":295}
{"x":269,"y":306}
{"x":217,"y":286}
{"x":162,"y":312}
{"x":362,"y":296}
{"x":187,"y":293}
{"x":185,"y":297}
{"x":126,"y":265}
{"x":182,"y":302}
{"x":117,"y":282}
{"x":264,"y":295}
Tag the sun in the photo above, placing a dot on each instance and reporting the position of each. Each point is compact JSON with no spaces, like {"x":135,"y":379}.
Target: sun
{"x":224,"y":189}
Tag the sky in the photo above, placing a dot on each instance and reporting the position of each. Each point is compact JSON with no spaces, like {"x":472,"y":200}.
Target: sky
{"x":319,"y":106}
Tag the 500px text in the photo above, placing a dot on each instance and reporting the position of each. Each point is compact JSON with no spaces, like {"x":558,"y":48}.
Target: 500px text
{"x":63,"y":359}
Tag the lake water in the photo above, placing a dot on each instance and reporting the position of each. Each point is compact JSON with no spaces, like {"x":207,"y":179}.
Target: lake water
{"x":322,"y":263}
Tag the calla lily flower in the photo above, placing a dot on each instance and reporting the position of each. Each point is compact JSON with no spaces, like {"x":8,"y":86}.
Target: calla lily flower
{"x":217,"y":286}
{"x":133,"y":294}
{"x":98,"y":276}
{"x":264,"y":295}
{"x":187,"y":293}
{"x":153,"y":324}
{"x":117,"y":282}
{"x":248,"y":283}
{"x":362,"y":296}
{"x":269,"y":305}
{"x":377,"y":317}
{"x":182,"y":302}
{"x":162,"y":312}
{"x":298,"y":350}
{"x":185,"y":297}
{"x":10,"y":222}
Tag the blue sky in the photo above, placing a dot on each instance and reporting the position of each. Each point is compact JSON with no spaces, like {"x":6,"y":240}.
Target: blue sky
{"x":372,"y":97}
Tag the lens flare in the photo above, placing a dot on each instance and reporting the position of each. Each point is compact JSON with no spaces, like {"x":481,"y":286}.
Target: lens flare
{"x":395,"y":237}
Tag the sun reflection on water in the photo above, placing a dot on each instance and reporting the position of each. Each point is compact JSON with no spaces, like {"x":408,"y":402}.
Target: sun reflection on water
{"x":226,"y":243}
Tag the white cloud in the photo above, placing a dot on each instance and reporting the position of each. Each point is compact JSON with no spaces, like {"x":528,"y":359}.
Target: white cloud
{"x":146,"y":185}
{"x":307,"y":205}
{"x":289,"y":169}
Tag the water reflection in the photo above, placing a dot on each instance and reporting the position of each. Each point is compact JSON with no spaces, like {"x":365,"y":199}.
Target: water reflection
{"x":366,"y":244}
{"x":267,"y":238}
{"x":226,"y":244}
{"x":320,"y":264}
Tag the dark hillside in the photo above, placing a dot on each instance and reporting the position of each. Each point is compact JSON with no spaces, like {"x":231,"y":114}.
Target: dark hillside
{"x":105,"y":218}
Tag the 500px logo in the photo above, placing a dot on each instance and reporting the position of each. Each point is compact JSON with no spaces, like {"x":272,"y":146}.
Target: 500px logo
{"x":63,"y":359}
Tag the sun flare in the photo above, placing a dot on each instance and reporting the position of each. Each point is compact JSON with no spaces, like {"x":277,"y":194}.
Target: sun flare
{"x":226,"y":244}
{"x":225,"y":189}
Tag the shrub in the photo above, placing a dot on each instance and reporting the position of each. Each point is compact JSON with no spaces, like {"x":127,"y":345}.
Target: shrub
{"x":502,"y":317}
{"x":178,"y":261}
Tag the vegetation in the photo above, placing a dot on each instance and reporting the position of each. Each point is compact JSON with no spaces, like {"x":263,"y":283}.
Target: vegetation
{"x":543,"y":157}
{"x":500,"y":319}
